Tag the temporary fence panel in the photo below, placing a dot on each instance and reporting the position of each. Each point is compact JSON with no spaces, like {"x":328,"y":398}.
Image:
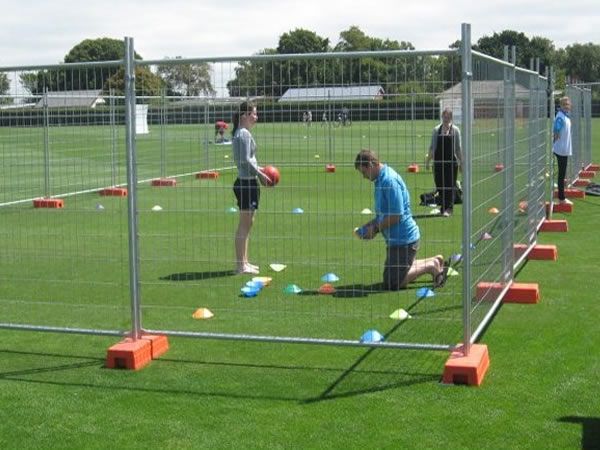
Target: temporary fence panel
{"x":315,"y":113}
{"x":64,"y":258}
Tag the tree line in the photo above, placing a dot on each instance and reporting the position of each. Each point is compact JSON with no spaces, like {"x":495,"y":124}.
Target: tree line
{"x":579,"y":62}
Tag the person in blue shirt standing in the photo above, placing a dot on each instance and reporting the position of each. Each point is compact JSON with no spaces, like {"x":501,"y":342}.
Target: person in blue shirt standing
{"x":394,"y":221}
{"x":562,"y":145}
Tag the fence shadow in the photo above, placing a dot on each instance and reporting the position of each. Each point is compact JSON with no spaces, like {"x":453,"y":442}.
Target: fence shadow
{"x":193,"y":276}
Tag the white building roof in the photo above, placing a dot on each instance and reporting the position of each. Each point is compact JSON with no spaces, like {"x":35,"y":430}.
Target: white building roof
{"x":332,"y":93}
{"x":62,"y":99}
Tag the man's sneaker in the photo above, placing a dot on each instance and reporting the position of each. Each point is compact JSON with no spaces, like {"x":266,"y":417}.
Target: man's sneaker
{"x":566,"y":201}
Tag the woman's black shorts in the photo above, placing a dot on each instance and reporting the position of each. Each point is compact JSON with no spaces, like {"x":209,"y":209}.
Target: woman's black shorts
{"x":247,"y":193}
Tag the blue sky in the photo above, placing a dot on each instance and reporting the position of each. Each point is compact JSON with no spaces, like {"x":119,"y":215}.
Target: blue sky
{"x":42,"y":32}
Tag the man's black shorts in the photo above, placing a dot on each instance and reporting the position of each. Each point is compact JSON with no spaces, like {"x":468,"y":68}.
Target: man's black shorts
{"x":398,"y":262}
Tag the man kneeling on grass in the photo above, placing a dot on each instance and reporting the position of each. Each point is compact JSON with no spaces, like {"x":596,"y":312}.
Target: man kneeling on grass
{"x":394,"y":221}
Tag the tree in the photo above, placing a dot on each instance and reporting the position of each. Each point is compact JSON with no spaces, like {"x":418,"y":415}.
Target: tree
{"x":582,"y":62}
{"x":102,"y":49}
{"x":354,"y":39}
{"x":542,"y":48}
{"x":389,"y":72}
{"x":187,"y":79}
{"x":291,"y":73}
{"x":302,"y":41}
{"x":494,"y":45}
{"x":255,"y":78}
{"x":4,"y":89}
{"x":146,"y":83}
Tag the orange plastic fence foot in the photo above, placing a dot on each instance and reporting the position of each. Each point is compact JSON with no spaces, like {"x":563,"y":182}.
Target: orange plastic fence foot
{"x":413,"y":168}
{"x":158,"y":342}
{"x":538,"y":252}
{"x":469,"y":370}
{"x":208,"y":175}
{"x":571,"y":193}
{"x":48,"y":203}
{"x":330,"y":168}
{"x":587,"y":174}
{"x":498,"y":167}
{"x":594,"y":167}
{"x":560,"y":226}
{"x":113,"y":192}
{"x":542,"y":252}
{"x":129,"y":354}
{"x":581,"y":183}
{"x":516,"y":293}
{"x":164,"y":182}
{"x":559,"y":207}
{"x":522,"y":293}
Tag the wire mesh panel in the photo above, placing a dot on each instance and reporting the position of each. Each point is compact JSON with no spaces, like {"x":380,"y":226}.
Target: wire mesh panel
{"x":315,"y":113}
{"x":577,"y":133}
{"x":493,"y":170}
{"x":587,"y":127}
{"x":531,"y":146}
{"x":64,"y":248}
{"x":581,"y":129}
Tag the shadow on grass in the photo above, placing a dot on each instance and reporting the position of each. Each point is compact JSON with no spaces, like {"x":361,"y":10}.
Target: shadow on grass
{"x":87,"y":362}
{"x":590,"y":433}
{"x":349,"y":384}
{"x":192,"y":276}
{"x":358,"y":290}
{"x":384,"y":370}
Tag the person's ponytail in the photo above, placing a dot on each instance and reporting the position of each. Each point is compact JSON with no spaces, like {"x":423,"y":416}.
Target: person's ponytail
{"x":244,"y":107}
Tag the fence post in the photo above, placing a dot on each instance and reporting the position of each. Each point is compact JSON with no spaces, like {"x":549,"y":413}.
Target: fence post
{"x":46,"y":145}
{"x":508,"y":174}
{"x":467,"y":114}
{"x":130,"y":101}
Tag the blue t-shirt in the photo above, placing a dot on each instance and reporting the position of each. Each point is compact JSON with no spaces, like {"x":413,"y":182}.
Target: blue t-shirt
{"x":562,"y":128}
{"x":392,"y":198}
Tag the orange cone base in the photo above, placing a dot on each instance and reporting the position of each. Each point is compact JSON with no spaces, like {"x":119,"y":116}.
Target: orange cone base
{"x":539,"y":252}
{"x":114,"y":192}
{"x":587,"y":174}
{"x":134,"y":355}
{"x":498,"y":167}
{"x":413,"y":168}
{"x":164,"y":182}
{"x":581,"y":183}
{"x":208,"y":175}
{"x":516,"y":293}
{"x":330,"y":168}
{"x":571,"y":193}
{"x":48,"y":203}
{"x":560,"y":226}
{"x":593,"y":167}
{"x":469,"y":370}
{"x":559,"y":207}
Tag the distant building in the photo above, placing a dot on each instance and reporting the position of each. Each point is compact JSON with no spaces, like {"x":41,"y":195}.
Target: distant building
{"x":488,"y":99}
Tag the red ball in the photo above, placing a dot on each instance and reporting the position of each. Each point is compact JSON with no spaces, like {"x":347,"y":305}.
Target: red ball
{"x":273,"y":173}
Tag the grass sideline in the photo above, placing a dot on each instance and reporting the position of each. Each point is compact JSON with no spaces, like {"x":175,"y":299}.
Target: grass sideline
{"x":541,"y":390}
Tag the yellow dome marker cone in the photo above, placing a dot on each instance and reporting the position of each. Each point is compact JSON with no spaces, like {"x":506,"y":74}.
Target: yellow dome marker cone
{"x":203,"y":313}
{"x":400,"y":314}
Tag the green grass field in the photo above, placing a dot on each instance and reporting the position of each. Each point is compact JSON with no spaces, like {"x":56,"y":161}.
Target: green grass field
{"x":69,"y":268}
